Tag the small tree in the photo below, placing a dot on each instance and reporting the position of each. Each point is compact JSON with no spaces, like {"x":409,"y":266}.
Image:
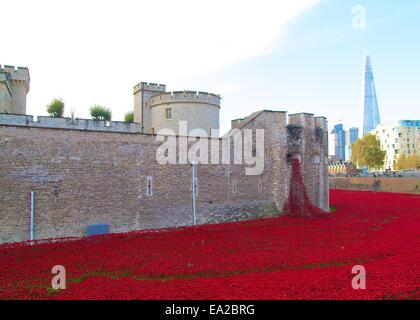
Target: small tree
{"x":98,"y":112}
{"x":129,"y":117}
{"x":367,"y":152}
{"x":56,"y":108}
{"x":408,"y":162}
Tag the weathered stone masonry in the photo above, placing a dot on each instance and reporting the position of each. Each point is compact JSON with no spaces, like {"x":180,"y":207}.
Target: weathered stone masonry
{"x":82,"y":177}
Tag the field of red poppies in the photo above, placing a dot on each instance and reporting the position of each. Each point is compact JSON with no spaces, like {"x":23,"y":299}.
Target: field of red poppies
{"x":282,"y":258}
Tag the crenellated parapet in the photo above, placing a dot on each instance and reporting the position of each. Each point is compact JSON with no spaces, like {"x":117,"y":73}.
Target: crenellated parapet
{"x":68,"y":123}
{"x":185,"y":97}
{"x":305,"y":129}
{"x":14,"y":86}
{"x":149,"y":86}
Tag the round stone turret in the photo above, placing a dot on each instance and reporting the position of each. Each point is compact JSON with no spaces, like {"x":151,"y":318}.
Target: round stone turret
{"x":199,"y":109}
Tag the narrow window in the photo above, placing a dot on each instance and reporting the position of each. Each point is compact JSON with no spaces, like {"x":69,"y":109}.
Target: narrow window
{"x":168,"y":113}
{"x":149,"y":189}
{"x":234,"y":187}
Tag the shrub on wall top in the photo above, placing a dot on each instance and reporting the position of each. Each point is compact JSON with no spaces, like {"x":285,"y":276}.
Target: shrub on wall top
{"x":56,"y":108}
{"x":98,"y":112}
{"x":129,"y":117}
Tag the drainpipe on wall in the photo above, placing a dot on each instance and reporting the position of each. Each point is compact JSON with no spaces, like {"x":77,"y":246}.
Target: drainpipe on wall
{"x":193,"y":193}
{"x":142,"y":108}
{"x":32,"y":226}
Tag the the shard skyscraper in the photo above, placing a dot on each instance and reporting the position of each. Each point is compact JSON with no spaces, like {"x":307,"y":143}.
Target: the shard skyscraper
{"x":371,"y":118}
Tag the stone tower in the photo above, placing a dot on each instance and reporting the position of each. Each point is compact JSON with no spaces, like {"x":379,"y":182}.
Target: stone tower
{"x":14,"y":86}
{"x":200,"y":110}
{"x":155,"y":109}
{"x":142,"y":93}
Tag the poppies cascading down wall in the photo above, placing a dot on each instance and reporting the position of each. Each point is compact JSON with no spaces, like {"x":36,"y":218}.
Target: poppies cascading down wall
{"x":298,"y":203}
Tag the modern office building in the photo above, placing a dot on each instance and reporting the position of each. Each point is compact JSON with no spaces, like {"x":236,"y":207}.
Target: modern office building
{"x":398,"y":138}
{"x":339,"y":142}
{"x":371,"y":117}
{"x":352,"y":135}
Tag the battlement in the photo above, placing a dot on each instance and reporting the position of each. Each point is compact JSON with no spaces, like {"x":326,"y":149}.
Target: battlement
{"x":321,"y":123}
{"x":15,"y":82}
{"x":306,"y":120}
{"x":145,"y":86}
{"x":68,"y":123}
{"x":5,"y":76}
{"x":16,"y":73}
{"x":304,"y":128}
{"x":185,"y":97}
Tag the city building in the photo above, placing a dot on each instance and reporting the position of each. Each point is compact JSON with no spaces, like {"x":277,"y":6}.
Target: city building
{"x":339,"y":142}
{"x":398,"y":138}
{"x":352,"y":135}
{"x":371,"y":117}
{"x":14,"y":86}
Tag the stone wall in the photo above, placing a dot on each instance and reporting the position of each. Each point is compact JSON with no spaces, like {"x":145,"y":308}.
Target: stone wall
{"x":84,"y":177}
{"x":197,"y":115}
{"x":69,"y":123}
{"x":398,"y":185}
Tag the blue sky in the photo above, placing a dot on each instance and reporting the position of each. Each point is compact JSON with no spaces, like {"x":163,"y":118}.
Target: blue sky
{"x":317,"y":68}
{"x":296,"y":56}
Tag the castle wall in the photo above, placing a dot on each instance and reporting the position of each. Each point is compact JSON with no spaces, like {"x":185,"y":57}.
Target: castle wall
{"x":68,"y":123}
{"x":382,"y":184}
{"x":83,"y":177}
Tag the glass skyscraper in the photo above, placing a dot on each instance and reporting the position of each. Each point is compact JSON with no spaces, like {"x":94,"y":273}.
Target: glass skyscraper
{"x":371,"y":118}
{"x":339,"y":140}
{"x":352,"y":135}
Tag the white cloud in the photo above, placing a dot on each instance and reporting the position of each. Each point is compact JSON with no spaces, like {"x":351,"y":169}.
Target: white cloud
{"x":96,"y":51}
